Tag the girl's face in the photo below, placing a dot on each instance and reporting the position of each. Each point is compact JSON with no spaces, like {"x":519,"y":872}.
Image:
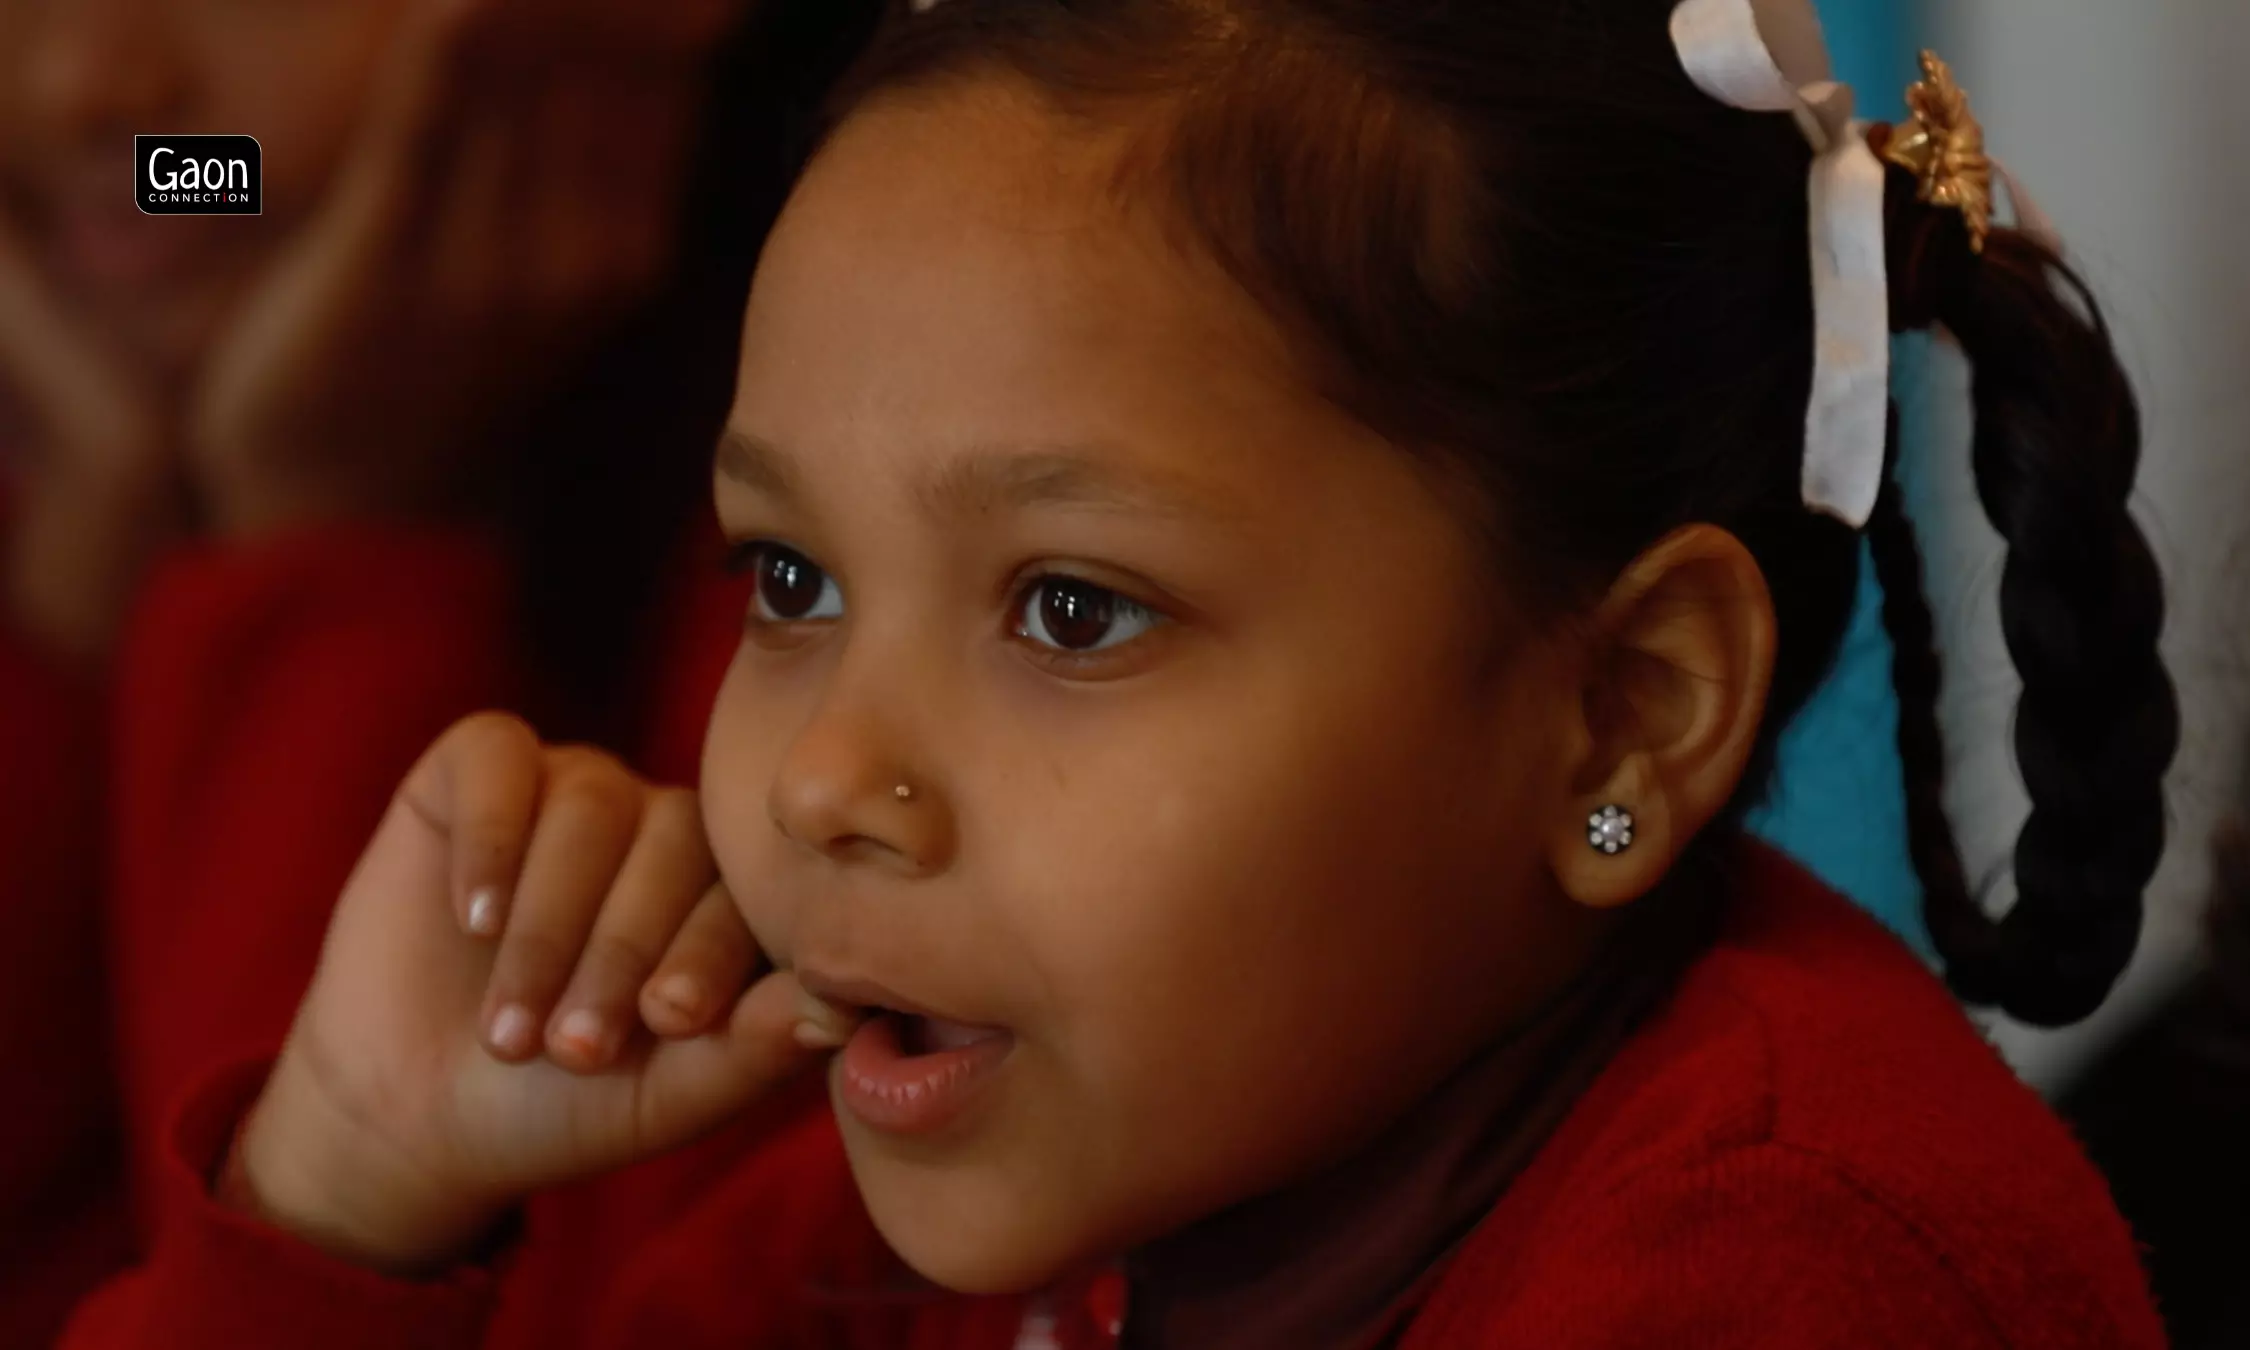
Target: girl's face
{"x":82,"y":77}
{"x":1222,"y":843}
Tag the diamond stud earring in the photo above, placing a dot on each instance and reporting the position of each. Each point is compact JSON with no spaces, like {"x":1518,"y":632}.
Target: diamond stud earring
{"x":1610,"y":830}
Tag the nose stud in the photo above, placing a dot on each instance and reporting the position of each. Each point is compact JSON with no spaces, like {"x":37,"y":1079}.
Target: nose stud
{"x":903,"y":793}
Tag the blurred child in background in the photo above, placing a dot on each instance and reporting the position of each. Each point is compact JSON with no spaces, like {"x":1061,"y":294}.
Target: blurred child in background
{"x":286,"y":494}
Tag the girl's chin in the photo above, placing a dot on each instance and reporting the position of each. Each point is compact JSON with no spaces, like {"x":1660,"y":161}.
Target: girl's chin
{"x":967,"y":1269}
{"x":941,"y":1242}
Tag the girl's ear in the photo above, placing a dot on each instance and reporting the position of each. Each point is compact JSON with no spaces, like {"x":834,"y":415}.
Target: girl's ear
{"x":1671,"y":695}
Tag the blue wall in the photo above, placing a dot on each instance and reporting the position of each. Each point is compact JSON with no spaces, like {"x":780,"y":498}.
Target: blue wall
{"x":1874,"y":51}
{"x":1838,"y":801}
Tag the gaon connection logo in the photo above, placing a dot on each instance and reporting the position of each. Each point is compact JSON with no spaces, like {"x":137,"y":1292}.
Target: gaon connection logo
{"x":196,"y":175}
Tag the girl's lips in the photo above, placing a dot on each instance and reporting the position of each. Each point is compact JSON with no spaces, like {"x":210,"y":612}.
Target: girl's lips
{"x":903,"y":1074}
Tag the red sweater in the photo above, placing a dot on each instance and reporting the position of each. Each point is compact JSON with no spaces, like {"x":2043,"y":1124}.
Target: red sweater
{"x":1806,"y":1145}
{"x":267,"y":700}
{"x":62,"y":1213}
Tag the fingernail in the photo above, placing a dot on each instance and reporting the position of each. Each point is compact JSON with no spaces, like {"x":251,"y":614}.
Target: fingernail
{"x":822,"y":1025}
{"x":585,"y":1032}
{"x":682,"y":993}
{"x":814,"y":1036}
{"x":514,"y":1030}
{"x":484,"y":911}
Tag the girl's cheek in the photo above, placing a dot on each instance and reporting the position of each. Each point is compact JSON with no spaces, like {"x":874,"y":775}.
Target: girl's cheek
{"x":747,"y":870}
{"x":769,"y":921}
{"x":733,"y":812}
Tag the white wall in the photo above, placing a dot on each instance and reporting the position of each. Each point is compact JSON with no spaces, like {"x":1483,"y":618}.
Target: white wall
{"x":2130,"y":121}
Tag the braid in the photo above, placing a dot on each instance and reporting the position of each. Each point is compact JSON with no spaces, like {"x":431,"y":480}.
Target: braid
{"x":1956,"y":922}
{"x":2056,"y":447}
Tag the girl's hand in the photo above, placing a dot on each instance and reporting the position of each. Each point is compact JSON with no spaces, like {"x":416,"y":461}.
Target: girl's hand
{"x":532,"y":977}
{"x":87,"y":464}
{"x":514,"y":186}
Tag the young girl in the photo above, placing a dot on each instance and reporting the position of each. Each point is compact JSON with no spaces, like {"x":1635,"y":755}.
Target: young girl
{"x":1283,"y":535}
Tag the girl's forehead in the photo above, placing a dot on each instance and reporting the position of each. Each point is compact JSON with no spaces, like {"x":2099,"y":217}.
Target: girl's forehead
{"x":962,"y":273}
{"x":976,"y":203}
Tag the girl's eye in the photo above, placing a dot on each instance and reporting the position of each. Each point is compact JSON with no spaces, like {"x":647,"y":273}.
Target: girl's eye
{"x":1077,"y":616}
{"x":791,"y":589}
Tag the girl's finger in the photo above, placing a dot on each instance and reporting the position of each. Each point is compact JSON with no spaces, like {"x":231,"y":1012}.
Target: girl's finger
{"x":589,"y":812}
{"x":667,"y":871}
{"x":478,"y":786}
{"x":710,"y":962}
{"x":692,"y":1085}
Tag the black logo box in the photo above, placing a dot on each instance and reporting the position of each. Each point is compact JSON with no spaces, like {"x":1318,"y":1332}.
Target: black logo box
{"x":198,"y":176}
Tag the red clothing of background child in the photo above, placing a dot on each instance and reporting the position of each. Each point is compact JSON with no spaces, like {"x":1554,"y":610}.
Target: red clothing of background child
{"x":1807,"y":1136}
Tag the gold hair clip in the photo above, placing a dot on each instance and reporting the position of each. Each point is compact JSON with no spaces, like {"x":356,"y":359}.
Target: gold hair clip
{"x":1943,"y":146}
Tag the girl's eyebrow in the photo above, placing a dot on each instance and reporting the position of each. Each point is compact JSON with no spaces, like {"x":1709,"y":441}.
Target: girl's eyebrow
{"x":757,"y":464}
{"x":1001,"y":478}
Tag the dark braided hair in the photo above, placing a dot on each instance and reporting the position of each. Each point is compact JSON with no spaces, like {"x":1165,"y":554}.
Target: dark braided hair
{"x":1516,"y":240}
{"x":2056,"y":446}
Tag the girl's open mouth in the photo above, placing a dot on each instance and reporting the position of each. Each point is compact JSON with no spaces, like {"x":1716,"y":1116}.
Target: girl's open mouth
{"x":905,"y":1073}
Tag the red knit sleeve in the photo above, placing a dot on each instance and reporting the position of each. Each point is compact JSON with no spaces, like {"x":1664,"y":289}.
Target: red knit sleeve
{"x":218,"y":1279}
{"x":270,"y":699}
{"x":61,"y":1214}
{"x":1764,"y":1246}
{"x":745,"y":1264}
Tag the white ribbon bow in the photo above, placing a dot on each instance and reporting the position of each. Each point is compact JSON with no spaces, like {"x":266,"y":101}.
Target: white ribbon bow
{"x":1769,"y":56}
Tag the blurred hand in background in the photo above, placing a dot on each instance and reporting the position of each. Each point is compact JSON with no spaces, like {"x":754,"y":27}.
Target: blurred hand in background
{"x":457,"y":193}
{"x":513,"y":188}
{"x":86,"y":454}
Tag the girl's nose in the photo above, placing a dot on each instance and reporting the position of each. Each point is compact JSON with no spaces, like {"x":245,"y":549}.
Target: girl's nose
{"x":845,"y":791}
